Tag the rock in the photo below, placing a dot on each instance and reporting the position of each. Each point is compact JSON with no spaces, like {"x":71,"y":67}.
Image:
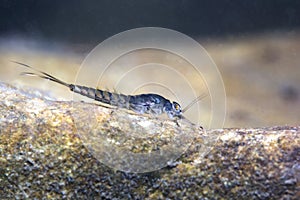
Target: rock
{"x":62,"y":150}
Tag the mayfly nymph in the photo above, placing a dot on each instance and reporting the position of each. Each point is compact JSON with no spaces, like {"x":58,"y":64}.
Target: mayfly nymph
{"x":143,"y":103}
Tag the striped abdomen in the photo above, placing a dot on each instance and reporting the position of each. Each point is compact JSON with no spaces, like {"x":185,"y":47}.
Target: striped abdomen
{"x":110,"y":98}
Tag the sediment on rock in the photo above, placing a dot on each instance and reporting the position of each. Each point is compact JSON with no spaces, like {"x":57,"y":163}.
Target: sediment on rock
{"x":49,"y":150}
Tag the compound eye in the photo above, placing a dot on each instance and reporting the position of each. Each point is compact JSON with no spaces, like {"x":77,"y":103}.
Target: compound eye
{"x":176,"y":106}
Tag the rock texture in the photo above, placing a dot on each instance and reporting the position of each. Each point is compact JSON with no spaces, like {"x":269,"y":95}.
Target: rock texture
{"x":50,"y":150}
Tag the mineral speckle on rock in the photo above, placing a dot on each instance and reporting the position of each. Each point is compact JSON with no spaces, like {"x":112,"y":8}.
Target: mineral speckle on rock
{"x":43,"y":157}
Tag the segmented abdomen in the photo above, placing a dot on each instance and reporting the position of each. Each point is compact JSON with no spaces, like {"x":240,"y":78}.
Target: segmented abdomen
{"x":110,"y":98}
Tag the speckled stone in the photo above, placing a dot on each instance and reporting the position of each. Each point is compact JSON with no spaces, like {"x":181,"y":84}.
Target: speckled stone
{"x":43,"y":157}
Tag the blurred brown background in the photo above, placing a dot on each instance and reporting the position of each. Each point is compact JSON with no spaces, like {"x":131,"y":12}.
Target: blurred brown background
{"x":255,"y":45}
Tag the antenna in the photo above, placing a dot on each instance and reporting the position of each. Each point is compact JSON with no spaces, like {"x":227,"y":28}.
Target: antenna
{"x":203,"y":95}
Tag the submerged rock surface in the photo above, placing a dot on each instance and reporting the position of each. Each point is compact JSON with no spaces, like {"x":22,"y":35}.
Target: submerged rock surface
{"x":44,"y":155}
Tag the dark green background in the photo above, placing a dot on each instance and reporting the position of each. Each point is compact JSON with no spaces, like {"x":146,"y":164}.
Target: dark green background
{"x":93,"y":21}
